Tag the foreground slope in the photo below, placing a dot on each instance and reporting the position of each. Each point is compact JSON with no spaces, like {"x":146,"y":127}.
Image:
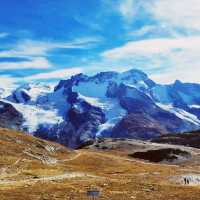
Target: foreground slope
{"x":33,"y":169}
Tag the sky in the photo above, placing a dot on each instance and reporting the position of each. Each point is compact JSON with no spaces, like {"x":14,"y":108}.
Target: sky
{"x":47,"y":40}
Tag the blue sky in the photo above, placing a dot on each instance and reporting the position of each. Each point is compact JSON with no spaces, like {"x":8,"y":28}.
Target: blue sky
{"x":46,"y":40}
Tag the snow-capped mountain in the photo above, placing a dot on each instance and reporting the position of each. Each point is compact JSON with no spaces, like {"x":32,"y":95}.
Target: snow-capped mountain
{"x":109,"y":104}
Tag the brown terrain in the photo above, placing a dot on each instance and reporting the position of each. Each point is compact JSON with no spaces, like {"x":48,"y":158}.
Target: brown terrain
{"x":34,"y":169}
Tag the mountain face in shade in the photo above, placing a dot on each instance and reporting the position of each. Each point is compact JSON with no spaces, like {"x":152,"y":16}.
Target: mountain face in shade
{"x":109,"y":104}
{"x":10,"y":117}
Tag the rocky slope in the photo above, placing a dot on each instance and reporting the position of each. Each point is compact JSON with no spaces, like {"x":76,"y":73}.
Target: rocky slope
{"x":10,"y":117}
{"x":108,"y":104}
{"x":145,"y":150}
{"x":186,"y":139}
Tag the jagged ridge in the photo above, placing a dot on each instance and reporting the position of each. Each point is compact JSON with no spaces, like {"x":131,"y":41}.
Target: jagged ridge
{"x":109,"y":104}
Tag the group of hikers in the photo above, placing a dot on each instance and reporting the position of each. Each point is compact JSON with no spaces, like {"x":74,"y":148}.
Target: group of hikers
{"x":186,"y":181}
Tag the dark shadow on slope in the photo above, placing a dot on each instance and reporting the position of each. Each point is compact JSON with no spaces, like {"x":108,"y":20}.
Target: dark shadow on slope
{"x":160,"y":155}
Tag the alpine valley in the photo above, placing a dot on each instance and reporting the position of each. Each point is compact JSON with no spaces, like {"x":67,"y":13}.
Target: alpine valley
{"x":83,"y":108}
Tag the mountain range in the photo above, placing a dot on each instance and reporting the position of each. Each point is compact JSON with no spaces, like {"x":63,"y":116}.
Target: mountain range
{"x":109,"y":104}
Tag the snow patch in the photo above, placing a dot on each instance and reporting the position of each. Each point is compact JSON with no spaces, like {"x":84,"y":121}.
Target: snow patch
{"x":35,"y":115}
{"x":180,"y":113}
{"x":194,"y":106}
{"x":95,"y":94}
{"x":93,"y":101}
{"x":38,"y":90}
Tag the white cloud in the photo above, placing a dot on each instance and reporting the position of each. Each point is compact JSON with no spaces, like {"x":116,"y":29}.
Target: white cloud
{"x":173,"y":14}
{"x":154,"y":31}
{"x":35,"y":63}
{"x":85,"y":42}
{"x":7,"y":81}
{"x":57,"y":74}
{"x":174,"y":39}
{"x":151,"y":47}
{"x":177,"y":58}
{"x":142,"y":31}
{"x":185,"y":74}
{"x":127,"y":8}
{"x":30,"y":48}
{"x":177,"y":13}
{"x":37,"y":51}
{"x":8,"y":84}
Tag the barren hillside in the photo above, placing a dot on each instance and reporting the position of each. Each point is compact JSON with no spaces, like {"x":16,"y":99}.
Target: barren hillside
{"x":33,"y":169}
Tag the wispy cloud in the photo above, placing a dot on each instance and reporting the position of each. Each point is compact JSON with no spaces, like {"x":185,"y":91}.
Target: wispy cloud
{"x":143,"y":31}
{"x":184,"y":13}
{"x":185,"y":74}
{"x":7,"y":81}
{"x":153,"y":46}
{"x":8,"y":84}
{"x":93,"y":25}
{"x":175,"y":56}
{"x":29,"y":48}
{"x":57,"y":74}
{"x":35,"y":63}
{"x":171,"y":14}
{"x":154,"y":33}
{"x":4,"y":35}
{"x":37,"y":52}
{"x":128,"y":9}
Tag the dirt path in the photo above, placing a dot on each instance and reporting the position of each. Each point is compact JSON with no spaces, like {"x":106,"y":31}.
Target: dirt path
{"x":67,"y":175}
{"x":73,"y":158}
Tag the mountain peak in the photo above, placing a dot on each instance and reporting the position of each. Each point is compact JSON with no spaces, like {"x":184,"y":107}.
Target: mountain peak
{"x":135,"y":73}
{"x":99,"y":102}
{"x":178,"y":82}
